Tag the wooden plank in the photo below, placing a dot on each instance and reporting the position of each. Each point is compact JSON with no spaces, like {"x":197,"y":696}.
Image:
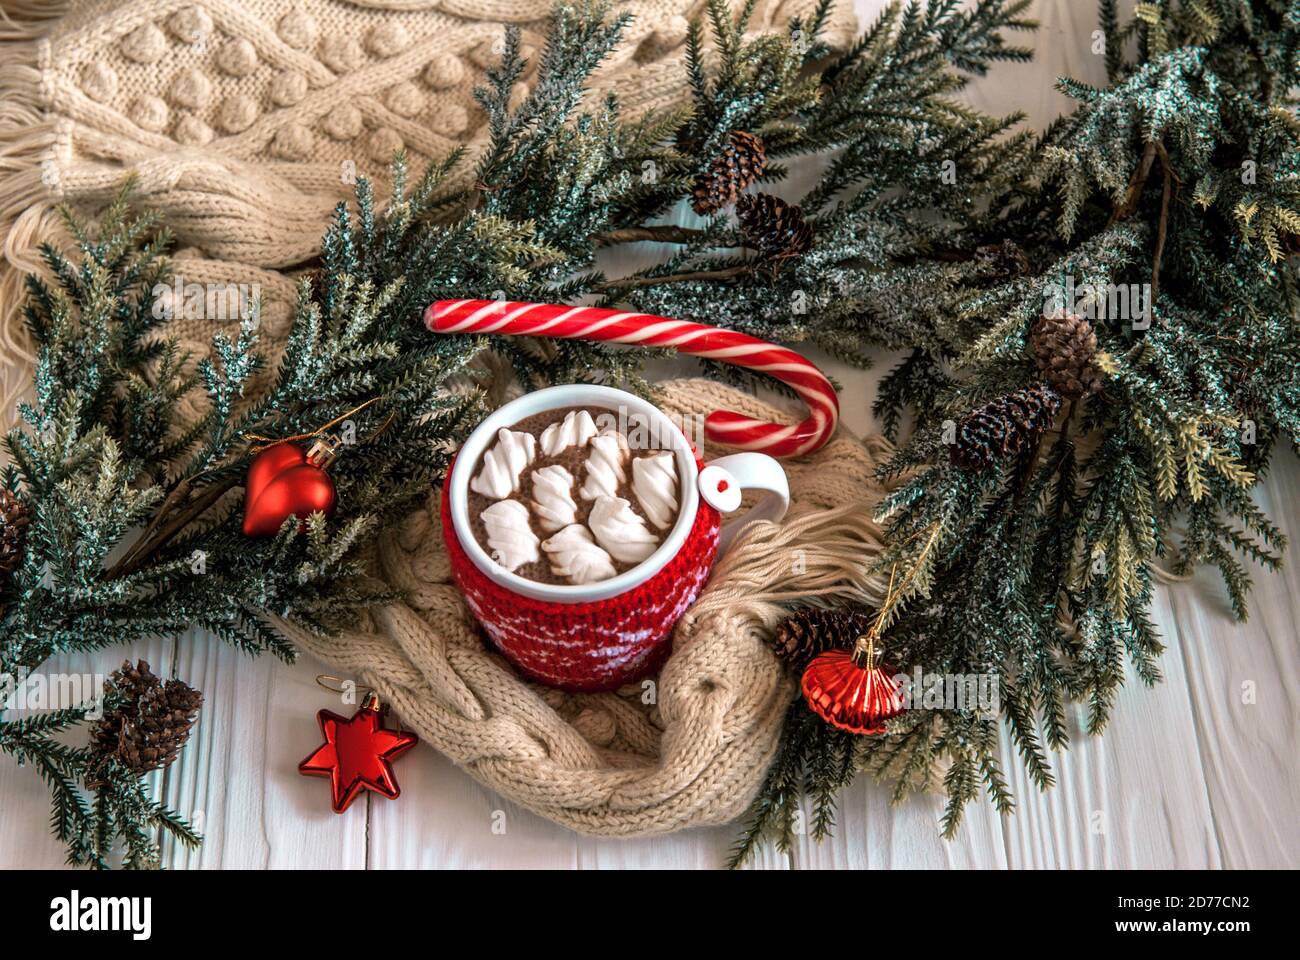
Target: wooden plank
{"x":238,"y":776}
{"x":872,"y":834}
{"x":1241,"y":682}
{"x":1135,"y":798}
{"x":25,"y":840}
{"x":445,"y":819}
{"x":1063,"y":47}
{"x":1188,"y":774}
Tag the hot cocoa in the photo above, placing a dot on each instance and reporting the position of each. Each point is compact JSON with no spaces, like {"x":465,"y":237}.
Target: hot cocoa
{"x":573,"y":496}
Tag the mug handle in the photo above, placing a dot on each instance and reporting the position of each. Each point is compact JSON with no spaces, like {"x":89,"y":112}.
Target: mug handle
{"x":724,"y":480}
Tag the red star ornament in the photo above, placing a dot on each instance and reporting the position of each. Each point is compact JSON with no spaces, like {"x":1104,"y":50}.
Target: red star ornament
{"x":357,"y":754}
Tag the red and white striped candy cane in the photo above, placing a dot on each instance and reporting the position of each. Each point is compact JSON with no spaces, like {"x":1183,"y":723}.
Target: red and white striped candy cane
{"x":646,"y":330}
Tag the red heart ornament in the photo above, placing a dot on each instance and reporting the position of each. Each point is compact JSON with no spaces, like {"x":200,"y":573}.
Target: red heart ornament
{"x":283,"y":483}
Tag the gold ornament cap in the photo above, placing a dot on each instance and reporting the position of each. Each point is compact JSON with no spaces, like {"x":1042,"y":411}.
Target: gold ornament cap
{"x":324,"y":450}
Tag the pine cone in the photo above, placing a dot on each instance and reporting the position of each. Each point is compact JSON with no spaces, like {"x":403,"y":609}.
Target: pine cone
{"x":741,"y":162}
{"x":15,"y":517}
{"x":774,"y":228}
{"x":1065,"y":347}
{"x":145,"y":722}
{"x":806,"y":633}
{"x":1004,"y":260}
{"x":1291,"y":244}
{"x":1004,"y":427}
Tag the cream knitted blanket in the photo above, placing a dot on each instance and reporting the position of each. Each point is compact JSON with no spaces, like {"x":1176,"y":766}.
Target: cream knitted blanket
{"x":688,"y":748}
{"x":244,"y":124}
{"x":246,"y":121}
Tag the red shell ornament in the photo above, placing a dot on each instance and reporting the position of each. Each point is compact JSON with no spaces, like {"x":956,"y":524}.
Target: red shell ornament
{"x":858,"y":697}
{"x":284,"y":480}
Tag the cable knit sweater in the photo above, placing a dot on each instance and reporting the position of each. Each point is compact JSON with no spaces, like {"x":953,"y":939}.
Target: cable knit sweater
{"x":246,"y":121}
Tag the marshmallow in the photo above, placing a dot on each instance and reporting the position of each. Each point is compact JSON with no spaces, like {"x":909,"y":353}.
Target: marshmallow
{"x":510,"y":538}
{"x":654,"y":481}
{"x":552,"y":501}
{"x":577,"y":429}
{"x":504,"y":463}
{"x":620,"y":531}
{"x":605,"y":471}
{"x":574,"y":555}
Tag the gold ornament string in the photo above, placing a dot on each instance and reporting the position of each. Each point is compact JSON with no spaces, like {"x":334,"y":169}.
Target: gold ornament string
{"x":369,"y":695}
{"x":260,"y":442}
{"x":867,"y":645}
{"x":333,"y":684}
{"x":864,"y":650}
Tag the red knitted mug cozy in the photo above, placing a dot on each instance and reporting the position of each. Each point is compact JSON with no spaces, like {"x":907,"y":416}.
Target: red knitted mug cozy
{"x":595,"y":645}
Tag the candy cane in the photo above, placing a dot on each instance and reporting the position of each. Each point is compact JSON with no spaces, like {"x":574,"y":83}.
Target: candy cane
{"x":646,"y":330}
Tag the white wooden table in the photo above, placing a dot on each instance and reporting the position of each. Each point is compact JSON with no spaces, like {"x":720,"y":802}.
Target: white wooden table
{"x":1201,"y":771}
